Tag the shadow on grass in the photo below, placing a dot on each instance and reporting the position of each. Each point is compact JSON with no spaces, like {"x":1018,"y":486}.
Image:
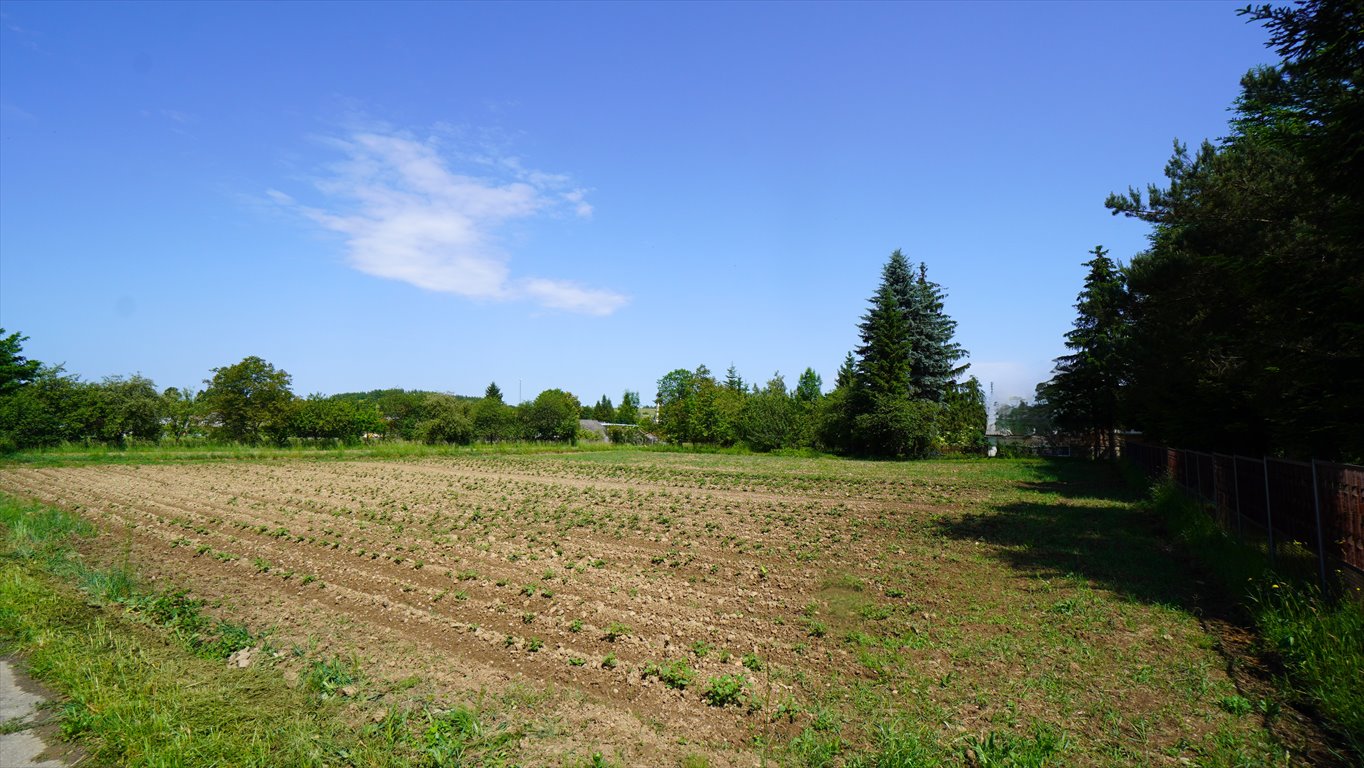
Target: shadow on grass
{"x":1084,"y":524}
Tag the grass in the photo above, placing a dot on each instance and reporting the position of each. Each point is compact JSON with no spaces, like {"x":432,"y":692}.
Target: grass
{"x":132,"y":698}
{"x":1318,"y":641}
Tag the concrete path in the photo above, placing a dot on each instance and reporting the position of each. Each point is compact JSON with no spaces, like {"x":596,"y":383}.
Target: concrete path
{"x":25,"y":730}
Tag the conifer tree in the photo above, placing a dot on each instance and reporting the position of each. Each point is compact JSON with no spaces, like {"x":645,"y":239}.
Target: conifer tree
{"x":1085,"y":385}
{"x":934,"y":353}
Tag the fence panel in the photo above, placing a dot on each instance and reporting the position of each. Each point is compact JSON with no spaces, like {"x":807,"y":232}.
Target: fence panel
{"x":1276,"y":499}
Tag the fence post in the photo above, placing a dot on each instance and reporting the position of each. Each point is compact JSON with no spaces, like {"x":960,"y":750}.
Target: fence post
{"x":1269,"y":515}
{"x":1321,"y":538}
{"x":1236,"y":481}
{"x":1198,"y":475}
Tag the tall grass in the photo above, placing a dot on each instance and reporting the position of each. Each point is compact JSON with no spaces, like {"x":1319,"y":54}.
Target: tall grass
{"x":1319,"y":641}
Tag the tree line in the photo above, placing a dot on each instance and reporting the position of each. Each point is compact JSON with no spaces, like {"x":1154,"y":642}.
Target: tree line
{"x":897,"y":395}
{"x":1241,"y":327}
{"x":252,"y":402}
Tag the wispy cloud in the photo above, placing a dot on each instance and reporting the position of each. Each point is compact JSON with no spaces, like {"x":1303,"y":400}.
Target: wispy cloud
{"x":406,"y":215}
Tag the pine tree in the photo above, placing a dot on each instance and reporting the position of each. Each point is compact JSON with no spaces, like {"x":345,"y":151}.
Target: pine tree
{"x":934,"y":353}
{"x":1084,"y":389}
{"x":884,"y":361}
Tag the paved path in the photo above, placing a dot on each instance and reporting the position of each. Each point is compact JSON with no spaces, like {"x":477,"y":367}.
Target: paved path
{"x":20,"y":699}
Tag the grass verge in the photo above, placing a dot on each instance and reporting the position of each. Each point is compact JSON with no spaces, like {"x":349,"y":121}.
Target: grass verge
{"x":133,"y":698}
{"x":1318,"y":642}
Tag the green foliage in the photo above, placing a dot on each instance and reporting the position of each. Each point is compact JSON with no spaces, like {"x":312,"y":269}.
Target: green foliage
{"x":1008,"y":749}
{"x":330,"y":678}
{"x":335,"y":418}
{"x":1018,"y":417}
{"x":603,"y":410}
{"x":552,"y":416}
{"x":15,"y":369}
{"x":445,"y":420}
{"x":628,"y":412}
{"x":249,"y":402}
{"x":897,"y":427}
{"x":964,"y":418}
{"x":674,"y":674}
{"x":770,"y":419}
{"x":1084,"y":390}
{"x":694,"y":408}
{"x":725,"y":691}
{"x":1320,"y":643}
{"x":1245,"y":326}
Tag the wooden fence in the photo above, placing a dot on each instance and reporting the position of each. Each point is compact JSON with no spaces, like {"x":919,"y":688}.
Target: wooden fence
{"x":1315,"y":507}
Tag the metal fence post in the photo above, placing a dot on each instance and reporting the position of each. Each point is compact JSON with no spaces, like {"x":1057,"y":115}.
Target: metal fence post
{"x":1236,"y":481}
{"x":1198,"y":475}
{"x":1321,"y":538}
{"x":1269,"y":515}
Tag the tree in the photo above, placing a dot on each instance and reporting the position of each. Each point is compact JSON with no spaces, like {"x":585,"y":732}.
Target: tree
{"x":493,"y":420}
{"x":834,"y":416}
{"x":181,"y":413}
{"x":934,"y":354}
{"x":676,"y":400}
{"x":445,"y":419}
{"x":964,"y":417}
{"x":249,"y":401}
{"x":15,"y":369}
{"x":552,"y":416}
{"x":1247,"y":311}
{"x":733,"y":381}
{"x":806,"y":399}
{"x":604,"y":410}
{"x":769,"y":418}
{"x":1018,"y":417}
{"x":884,"y":363}
{"x":628,"y":412}
{"x":118,"y":409}
{"x":1085,"y":385}
{"x":809,"y":388}
{"x":884,"y":423}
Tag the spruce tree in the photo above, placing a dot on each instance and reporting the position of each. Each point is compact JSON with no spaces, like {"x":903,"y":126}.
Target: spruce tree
{"x":934,"y":353}
{"x":884,"y":361}
{"x":1084,"y":389}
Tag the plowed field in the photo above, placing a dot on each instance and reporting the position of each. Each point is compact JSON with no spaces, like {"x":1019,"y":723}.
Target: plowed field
{"x":966,"y":598}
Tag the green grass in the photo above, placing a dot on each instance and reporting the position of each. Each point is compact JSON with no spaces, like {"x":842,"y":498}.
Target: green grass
{"x":1318,"y":641}
{"x":130,"y":697}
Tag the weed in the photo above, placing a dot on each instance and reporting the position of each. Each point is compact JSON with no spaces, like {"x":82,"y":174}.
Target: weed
{"x":330,"y":678}
{"x":616,"y":630}
{"x":1236,"y":705}
{"x":725,"y":690}
{"x":674,"y":674}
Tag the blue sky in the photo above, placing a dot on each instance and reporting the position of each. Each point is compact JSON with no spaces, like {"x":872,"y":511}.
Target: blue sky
{"x":582,"y":196}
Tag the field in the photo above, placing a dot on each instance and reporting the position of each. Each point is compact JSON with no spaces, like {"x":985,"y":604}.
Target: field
{"x":668,"y":608}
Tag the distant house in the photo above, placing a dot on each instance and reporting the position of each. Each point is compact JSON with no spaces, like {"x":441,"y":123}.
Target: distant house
{"x":1036,"y":445}
{"x":628,"y":433}
{"x":592,"y":425}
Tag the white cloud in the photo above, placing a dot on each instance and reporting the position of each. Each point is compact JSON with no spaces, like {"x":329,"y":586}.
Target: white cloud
{"x":407,"y":216}
{"x":565,"y":295}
